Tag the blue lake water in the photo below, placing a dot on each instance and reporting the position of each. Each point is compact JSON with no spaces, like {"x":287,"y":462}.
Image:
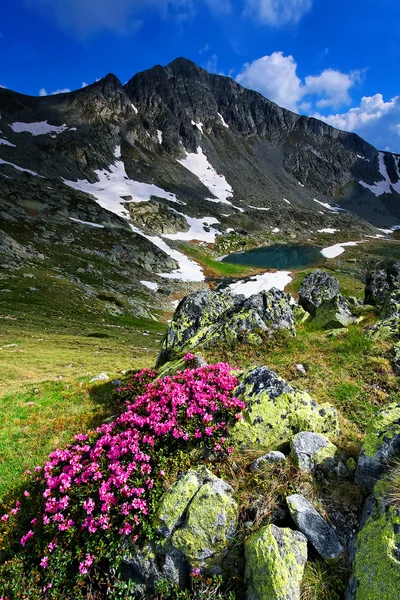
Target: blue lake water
{"x":278,"y":256}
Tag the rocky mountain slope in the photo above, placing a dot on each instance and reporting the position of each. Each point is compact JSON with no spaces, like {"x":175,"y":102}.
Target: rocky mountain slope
{"x":177,"y":154}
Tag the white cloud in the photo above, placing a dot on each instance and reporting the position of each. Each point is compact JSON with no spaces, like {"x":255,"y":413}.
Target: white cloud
{"x":4,"y":87}
{"x":278,"y":12}
{"x":276,"y":77}
{"x":84,"y":84}
{"x":333,"y":86}
{"x":375,"y":119}
{"x":43,"y":92}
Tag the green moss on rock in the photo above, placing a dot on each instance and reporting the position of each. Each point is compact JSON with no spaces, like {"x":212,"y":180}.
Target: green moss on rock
{"x":275,"y":561}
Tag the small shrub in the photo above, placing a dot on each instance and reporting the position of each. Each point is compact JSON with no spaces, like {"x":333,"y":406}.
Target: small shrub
{"x":323,"y":581}
{"x":64,"y":537}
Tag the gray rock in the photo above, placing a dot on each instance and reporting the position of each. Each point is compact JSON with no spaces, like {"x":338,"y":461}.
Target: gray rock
{"x":315,"y":288}
{"x":315,"y":528}
{"x":208,"y":317}
{"x":100,"y":377}
{"x":311,"y":450}
{"x":376,"y":288}
{"x":272,"y":457}
{"x":381,"y":443}
{"x":275,"y":561}
{"x":300,"y":368}
{"x":333,"y":313}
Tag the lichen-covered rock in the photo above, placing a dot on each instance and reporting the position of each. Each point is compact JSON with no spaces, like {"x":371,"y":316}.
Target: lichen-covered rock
{"x":315,"y":288}
{"x":333,"y":313}
{"x":209,"y":526}
{"x":311,"y":450}
{"x":315,"y":528}
{"x":381,"y":443}
{"x":300,"y":315}
{"x":376,"y":552}
{"x":275,"y":560}
{"x":271,"y":457}
{"x":275,"y":411}
{"x":206,"y":318}
{"x":197,"y":518}
{"x":396,"y":358}
{"x":376,"y":288}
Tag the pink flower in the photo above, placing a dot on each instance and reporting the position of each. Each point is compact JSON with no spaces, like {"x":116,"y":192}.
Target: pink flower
{"x":44,"y":562}
{"x":126,"y":529}
{"x":86,"y":564}
{"x":195,"y":572}
{"x":189,"y":356}
{"x":26,"y":494}
{"x":26,"y":537}
{"x":4,"y":518}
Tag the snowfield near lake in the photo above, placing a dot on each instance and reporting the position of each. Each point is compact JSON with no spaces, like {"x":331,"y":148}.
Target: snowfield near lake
{"x":328,"y":230}
{"x":385,"y":186}
{"x":337,"y":249}
{"x":41,"y":128}
{"x":259,"y":283}
{"x":196,"y":231}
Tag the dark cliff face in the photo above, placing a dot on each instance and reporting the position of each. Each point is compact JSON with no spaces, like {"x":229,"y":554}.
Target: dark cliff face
{"x":271,"y":157}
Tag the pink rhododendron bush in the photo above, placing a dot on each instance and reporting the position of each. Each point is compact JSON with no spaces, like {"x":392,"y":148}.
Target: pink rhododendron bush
{"x":63,"y":537}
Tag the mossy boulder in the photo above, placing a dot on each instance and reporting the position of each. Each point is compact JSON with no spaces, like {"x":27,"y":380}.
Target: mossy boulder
{"x":275,"y":560}
{"x":276,"y":411}
{"x":376,"y":553}
{"x":208,"y":317}
{"x":333,"y":313}
{"x":381,"y":443}
{"x":197,"y":518}
{"x":312,"y":450}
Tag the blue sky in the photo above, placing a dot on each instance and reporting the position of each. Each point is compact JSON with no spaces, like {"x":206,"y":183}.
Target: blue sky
{"x":335,"y":59}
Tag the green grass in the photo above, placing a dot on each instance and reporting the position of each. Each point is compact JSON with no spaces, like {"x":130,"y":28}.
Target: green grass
{"x":215,"y":268}
{"x":352,"y":372}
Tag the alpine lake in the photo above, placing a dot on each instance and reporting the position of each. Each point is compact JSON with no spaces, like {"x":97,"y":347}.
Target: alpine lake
{"x":278,"y":256}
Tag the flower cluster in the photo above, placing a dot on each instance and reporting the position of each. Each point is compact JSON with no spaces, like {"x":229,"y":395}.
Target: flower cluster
{"x":105,"y":479}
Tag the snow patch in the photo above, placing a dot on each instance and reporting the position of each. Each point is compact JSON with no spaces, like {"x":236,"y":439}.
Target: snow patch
{"x":187,"y":271}
{"x":259,"y":283}
{"x":151,"y":285}
{"x":301,"y":184}
{"x":134,"y":108}
{"x":287,"y":201}
{"x":197,"y":230}
{"x":385,"y":186}
{"x":329,"y":207}
{"x":4,"y":162}
{"x":113,"y":184}
{"x":275,"y":230}
{"x":224,"y":123}
{"x":363,"y":158}
{"x":87,"y":223}
{"x":337,"y":249}
{"x":199,"y":126}
{"x":40,"y":128}
{"x":6,"y":143}
{"x":197,"y":163}
{"x":159,"y":136}
{"x":258,"y":207}
{"x":328,"y":230}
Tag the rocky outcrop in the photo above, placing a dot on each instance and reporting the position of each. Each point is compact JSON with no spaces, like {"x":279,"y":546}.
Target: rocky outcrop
{"x":276,"y":411}
{"x":311,"y":450}
{"x":206,"y":318}
{"x":315,"y":288}
{"x":271,"y":457}
{"x":381,"y":443}
{"x":275,"y":561}
{"x":314,"y":527}
{"x":197,"y":518}
{"x":320,"y":295}
{"x":155,"y":218}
